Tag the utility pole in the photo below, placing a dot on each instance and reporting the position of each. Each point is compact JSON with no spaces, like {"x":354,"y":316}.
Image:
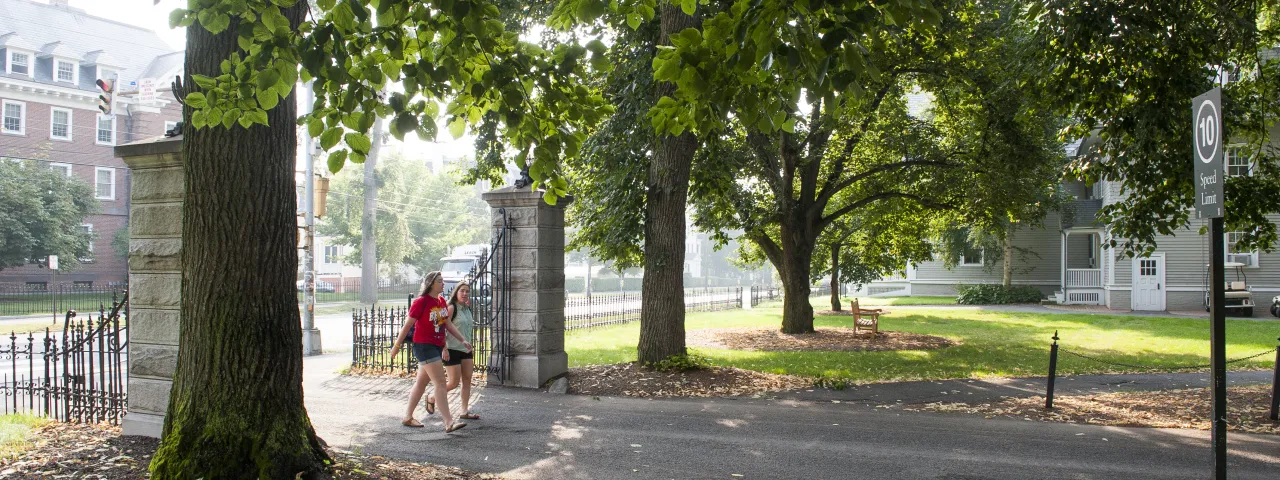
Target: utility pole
{"x":310,"y":335}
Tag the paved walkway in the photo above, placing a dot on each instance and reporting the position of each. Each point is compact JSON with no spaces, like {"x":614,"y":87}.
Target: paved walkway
{"x":533,"y":434}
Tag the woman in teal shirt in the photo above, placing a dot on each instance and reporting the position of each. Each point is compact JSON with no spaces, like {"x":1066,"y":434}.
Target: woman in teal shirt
{"x":460,"y":363}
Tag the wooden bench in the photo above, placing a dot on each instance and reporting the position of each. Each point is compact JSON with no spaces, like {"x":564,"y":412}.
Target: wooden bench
{"x":866,"y":318}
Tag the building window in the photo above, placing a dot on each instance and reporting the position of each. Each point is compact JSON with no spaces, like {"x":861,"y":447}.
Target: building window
{"x":1234,"y":254}
{"x":20,"y":63}
{"x":37,"y":286}
{"x":168,"y":126}
{"x":331,"y":254}
{"x":65,"y":168}
{"x":60,"y":124}
{"x":87,"y":230}
{"x":15,"y":117}
{"x":81,"y":285}
{"x":1147,"y":268}
{"x":106,"y":130}
{"x":105,"y":74}
{"x":106,"y":183}
{"x":971,"y":256}
{"x":65,"y":72}
{"x":1239,"y":164}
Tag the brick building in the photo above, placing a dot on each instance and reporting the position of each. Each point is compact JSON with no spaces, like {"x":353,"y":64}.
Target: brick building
{"x":50,"y":58}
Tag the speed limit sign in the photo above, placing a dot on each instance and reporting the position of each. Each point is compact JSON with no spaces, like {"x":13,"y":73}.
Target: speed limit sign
{"x":1206,"y":115}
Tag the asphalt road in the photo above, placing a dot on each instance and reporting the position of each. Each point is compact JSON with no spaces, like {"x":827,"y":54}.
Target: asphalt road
{"x":531,"y":434}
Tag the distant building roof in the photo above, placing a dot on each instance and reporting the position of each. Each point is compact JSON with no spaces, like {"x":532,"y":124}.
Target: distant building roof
{"x":70,"y":32}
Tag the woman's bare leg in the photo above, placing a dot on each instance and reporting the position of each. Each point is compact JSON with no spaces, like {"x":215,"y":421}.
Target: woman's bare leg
{"x":435,"y":370}
{"x":465,"y":379}
{"x":415,"y":394}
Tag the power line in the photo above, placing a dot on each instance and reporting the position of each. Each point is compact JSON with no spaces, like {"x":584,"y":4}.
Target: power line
{"x":361,"y":197}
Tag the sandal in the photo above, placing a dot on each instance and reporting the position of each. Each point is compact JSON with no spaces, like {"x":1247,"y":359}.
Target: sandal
{"x":455,"y":427}
{"x":412,"y":423}
{"x":469,"y":416}
{"x":431,"y":407}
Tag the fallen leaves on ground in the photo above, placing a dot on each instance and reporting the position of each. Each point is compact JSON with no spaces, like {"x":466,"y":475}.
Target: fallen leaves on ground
{"x":770,"y":339}
{"x":1247,"y":409}
{"x":632,"y":380}
{"x":70,"y":450}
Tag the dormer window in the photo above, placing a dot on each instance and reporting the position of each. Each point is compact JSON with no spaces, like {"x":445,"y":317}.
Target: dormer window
{"x":64,"y":71}
{"x":106,"y":73}
{"x":20,"y":63}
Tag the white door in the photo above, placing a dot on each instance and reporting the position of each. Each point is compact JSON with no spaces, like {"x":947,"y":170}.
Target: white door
{"x":1148,"y":282}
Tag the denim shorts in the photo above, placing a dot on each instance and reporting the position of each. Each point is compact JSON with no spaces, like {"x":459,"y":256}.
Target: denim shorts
{"x":426,"y":352}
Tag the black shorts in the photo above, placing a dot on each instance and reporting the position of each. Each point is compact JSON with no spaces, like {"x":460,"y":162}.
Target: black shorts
{"x":457,"y":356}
{"x":426,"y":352}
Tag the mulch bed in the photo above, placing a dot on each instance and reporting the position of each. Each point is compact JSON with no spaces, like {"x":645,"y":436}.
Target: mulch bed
{"x":632,"y":380}
{"x":1247,"y":409}
{"x":770,"y":339}
{"x":65,"y":450}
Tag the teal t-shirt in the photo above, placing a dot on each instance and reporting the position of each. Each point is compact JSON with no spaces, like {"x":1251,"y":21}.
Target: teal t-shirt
{"x":463,"y":321}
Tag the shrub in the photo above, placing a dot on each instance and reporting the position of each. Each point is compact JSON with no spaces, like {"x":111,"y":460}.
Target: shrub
{"x":990,"y":294}
{"x":681,"y":363}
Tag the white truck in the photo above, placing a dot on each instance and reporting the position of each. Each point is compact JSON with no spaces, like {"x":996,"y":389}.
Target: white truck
{"x":463,"y":262}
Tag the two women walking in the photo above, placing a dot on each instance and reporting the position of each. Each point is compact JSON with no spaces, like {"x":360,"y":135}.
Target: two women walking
{"x":430,"y":319}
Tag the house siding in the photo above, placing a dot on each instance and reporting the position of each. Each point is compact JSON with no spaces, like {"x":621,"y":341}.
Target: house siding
{"x":1042,"y":269}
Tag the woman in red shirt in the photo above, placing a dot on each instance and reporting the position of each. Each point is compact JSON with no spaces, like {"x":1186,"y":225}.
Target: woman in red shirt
{"x":429,"y":320}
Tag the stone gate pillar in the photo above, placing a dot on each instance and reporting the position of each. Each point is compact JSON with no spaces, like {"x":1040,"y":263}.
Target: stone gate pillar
{"x":155,"y":278}
{"x":536,"y":283}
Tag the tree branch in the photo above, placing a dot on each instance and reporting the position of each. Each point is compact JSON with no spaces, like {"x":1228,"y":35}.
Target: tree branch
{"x":928,"y":203}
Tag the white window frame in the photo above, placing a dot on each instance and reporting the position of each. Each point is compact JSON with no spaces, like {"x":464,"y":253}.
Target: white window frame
{"x":70,"y":114}
{"x":1227,"y":253}
{"x":168,"y":126}
{"x":97,"y":134}
{"x":75,"y":72}
{"x":1232,"y":152}
{"x":88,"y":229}
{"x":331,"y":260}
{"x":66,"y":167}
{"x":99,"y":171}
{"x":101,"y":73}
{"x":31,"y":67}
{"x":22,"y":118}
{"x":982,"y":253}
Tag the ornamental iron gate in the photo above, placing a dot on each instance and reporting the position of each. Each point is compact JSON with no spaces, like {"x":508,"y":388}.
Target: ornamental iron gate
{"x":374,"y":331}
{"x":76,"y":375}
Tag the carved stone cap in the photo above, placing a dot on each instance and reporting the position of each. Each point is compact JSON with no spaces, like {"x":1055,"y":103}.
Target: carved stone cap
{"x":521,"y":197}
{"x":152,"y":152}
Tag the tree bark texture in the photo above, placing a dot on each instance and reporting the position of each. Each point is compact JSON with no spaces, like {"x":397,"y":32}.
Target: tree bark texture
{"x":835,"y":277}
{"x":797,"y":259}
{"x":662,"y":290}
{"x":368,"y":220}
{"x":1007,"y":265}
{"x":236,"y":407}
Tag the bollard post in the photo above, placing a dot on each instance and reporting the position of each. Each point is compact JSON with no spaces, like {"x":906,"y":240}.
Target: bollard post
{"x":1275,"y":386}
{"x":1053,"y":371}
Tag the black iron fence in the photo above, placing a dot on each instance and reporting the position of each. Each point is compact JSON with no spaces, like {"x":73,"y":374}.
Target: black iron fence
{"x":38,"y":299}
{"x":74,"y":373}
{"x":603,"y":309}
{"x":763,"y":293}
{"x":348,"y":290}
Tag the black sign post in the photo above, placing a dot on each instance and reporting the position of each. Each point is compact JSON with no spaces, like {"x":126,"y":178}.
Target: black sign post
{"x":1206,"y":112}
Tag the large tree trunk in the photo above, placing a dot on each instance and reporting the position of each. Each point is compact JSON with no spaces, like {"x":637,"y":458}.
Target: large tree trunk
{"x":1008,"y":259}
{"x":368,"y":221}
{"x":797,"y":259}
{"x":236,"y":407}
{"x":662,"y":290}
{"x":835,"y":277}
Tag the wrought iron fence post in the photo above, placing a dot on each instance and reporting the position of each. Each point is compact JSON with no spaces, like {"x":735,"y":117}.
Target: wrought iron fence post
{"x":1275,"y":386}
{"x":1053,"y":371}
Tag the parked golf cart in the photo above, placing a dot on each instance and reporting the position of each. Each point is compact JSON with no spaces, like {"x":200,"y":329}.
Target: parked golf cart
{"x":1239,"y":295}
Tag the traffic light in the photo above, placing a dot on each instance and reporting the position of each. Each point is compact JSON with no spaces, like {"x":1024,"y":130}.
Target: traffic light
{"x":107,"y":99}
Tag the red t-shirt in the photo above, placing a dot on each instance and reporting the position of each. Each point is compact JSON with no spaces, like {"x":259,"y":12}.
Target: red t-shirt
{"x":431,"y":313}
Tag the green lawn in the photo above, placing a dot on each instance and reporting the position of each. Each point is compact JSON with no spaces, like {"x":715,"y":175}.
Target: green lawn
{"x":1003,"y":344}
{"x":15,"y":434}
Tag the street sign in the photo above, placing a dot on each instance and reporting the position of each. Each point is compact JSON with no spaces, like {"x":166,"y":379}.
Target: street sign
{"x":53,"y":262}
{"x":146,"y":90}
{"x":1206,"y":114}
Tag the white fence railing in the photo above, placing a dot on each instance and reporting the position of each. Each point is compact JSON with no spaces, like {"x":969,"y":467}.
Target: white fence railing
{"x":1084,"y":277}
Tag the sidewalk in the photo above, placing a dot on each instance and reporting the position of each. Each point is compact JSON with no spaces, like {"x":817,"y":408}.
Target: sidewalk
{"x":534,"y":434}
